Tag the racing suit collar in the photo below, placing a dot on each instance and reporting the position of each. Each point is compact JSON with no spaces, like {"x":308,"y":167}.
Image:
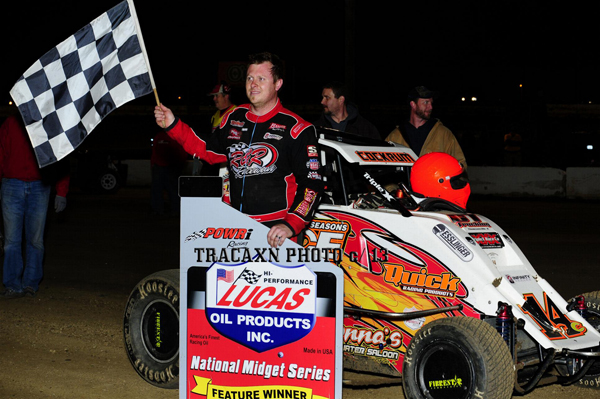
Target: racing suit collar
{"x":263,"y":118}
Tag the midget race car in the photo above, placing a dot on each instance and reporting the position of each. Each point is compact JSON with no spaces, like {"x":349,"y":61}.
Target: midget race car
{"x":433,"y":294}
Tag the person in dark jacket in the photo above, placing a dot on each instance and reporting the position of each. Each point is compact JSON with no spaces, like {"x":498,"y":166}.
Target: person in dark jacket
{"x":340,"y":114}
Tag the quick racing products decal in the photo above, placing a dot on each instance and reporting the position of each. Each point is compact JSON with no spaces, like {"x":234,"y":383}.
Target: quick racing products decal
{"x":453,"y":242}
{"x":421,"y":282}
{"x":259,"y":305}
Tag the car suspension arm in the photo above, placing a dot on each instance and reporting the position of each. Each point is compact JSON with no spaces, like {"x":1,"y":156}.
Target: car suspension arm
{"x":375,"y":314}
{"x":525,"y":388}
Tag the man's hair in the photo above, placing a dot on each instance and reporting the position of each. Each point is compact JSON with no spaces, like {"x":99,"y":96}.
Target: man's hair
{"x":276,"y":69}
{"x":338,"y":89}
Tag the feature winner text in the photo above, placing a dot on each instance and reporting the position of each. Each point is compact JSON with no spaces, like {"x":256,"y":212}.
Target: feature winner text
{"x":254,"y":367}
{"x":244,"y":255}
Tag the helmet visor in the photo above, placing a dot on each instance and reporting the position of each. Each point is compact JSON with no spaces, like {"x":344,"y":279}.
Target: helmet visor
{"x":459,"y":181}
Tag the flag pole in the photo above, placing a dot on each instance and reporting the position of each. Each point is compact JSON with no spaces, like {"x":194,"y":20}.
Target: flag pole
{"x":143,"y":47}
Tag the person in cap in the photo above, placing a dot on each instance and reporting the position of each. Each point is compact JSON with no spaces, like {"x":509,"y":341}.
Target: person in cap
{"x":221,"y":95}
{"x":422,"y":133}
{"x":340,"y":114}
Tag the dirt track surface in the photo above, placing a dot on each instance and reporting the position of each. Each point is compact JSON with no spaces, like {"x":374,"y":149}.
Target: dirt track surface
{"x":67,"y":342}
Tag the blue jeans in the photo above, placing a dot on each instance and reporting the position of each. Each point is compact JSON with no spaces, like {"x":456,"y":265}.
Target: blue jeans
{"x":24,"y":206}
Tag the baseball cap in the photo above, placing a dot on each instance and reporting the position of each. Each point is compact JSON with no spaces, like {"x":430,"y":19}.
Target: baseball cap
{"x":221,"y":88}
{"x":421,"y":92}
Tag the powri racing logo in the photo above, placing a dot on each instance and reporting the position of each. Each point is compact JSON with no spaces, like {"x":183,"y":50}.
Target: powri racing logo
{"x":261,"y":305}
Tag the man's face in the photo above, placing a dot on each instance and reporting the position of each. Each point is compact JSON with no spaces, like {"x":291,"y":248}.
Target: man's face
{"x":221,"y":101}
{"x":260,"y":87}
{"x":423,"y":107}
{"x":331,"y":105}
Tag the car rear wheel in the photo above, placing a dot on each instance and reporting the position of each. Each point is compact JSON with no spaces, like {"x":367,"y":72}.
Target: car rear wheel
{"x":458,"y":357}
{"x":151,"y":329}
{"x":592,"y":378}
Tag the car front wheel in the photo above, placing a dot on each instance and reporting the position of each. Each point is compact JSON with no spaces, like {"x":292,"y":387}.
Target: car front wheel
{"x":151,"y":329}
{"x":458,"y":357}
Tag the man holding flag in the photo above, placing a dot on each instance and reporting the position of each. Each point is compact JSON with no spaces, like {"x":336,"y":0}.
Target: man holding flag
{"x":271,"y":153}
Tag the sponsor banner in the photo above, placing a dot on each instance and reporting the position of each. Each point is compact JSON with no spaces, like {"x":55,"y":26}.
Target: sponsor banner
{"x":252,"y":350}
{"x":204,"y":386}
{"x":307,"y":365}
{"x":253,"y":323}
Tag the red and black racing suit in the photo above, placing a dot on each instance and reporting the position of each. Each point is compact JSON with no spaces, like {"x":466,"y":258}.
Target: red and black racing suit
{"x":273,"y":163}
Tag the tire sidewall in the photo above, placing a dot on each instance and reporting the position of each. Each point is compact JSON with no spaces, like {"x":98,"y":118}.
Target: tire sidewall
{"x":151,"y":329}
{"x":592,"y":301}
{"x":466,"y":376}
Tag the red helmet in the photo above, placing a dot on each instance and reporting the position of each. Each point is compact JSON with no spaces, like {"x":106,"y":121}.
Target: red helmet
{"x":440,"y":175}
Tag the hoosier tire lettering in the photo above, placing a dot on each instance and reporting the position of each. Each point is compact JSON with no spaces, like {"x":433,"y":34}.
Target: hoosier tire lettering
{"x":592,"y":378}
{"x":151,"y":329}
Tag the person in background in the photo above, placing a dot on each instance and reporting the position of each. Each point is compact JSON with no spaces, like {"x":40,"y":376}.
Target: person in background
{"x":340,"y":114}
{"x":25,"y":196}
{"x":422,"y":133}
{"x":221,"y":95}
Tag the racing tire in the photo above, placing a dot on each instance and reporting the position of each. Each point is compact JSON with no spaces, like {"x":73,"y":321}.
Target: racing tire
{"x":592,"y":378}
{"x":151,"y":329}
{"x":458,"y":357}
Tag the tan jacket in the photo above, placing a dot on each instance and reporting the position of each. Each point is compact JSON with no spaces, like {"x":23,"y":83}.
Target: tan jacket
{"x":440,"y":139}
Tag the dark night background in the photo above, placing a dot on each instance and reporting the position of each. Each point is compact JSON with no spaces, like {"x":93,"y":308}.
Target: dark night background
{"x":380,"y":49}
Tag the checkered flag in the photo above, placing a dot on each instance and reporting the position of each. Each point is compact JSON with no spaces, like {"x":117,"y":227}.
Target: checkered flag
{"x":65,"y":94}
{"x":250,"y":276}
